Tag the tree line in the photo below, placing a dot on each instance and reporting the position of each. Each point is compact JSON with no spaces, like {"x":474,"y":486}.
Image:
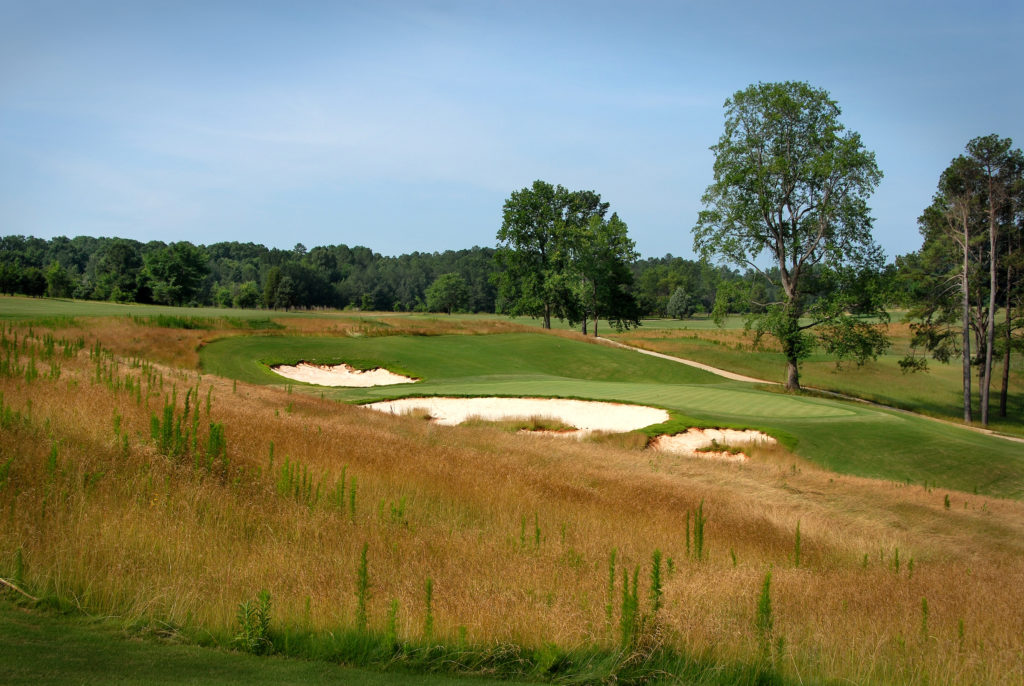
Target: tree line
{"x":232,"y":274}
{"x":248,"y":275}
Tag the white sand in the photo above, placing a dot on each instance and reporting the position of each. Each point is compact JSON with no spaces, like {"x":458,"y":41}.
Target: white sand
{"x":689,"y":442}
{"x":587,"y":416}
{"x":340,"y":375}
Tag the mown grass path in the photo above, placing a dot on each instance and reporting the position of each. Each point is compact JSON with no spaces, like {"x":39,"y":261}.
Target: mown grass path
{"x":41,"y":647}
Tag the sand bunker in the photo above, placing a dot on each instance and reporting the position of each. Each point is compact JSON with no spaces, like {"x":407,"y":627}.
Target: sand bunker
{"x":689,"y":443}
{"x":340,"y":375}
{"x":587,"y":416}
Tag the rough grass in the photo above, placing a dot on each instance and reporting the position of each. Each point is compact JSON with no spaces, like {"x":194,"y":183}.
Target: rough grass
{"x":515,"y":533}
{"x":516,"y":424}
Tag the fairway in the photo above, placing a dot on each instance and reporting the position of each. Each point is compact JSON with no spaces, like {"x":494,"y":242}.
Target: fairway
{"x":847,"y":437}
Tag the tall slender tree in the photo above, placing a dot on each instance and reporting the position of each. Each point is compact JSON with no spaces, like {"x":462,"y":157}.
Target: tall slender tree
{"x":974,"y":214}
{"x":995,"y":165}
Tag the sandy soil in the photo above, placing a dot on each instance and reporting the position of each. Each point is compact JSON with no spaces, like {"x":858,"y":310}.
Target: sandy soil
{"x":340,"y":375}
{"x":689,"y":442}
{"x":587,"y":416}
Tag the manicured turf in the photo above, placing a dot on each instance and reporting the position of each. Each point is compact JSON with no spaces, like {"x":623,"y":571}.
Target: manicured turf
{"x":937,"y":392}
{"x":469,"y":359}
{"x":848,"y":437}
{"x":41,"y":647}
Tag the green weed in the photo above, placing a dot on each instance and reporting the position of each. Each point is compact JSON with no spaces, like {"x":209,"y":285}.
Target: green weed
{"x":254,"y":625}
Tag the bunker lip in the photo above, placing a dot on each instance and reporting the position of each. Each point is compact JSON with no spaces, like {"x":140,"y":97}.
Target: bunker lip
{"x":339,"y":375}
{"x":694,"y":443}
{"x":586,"y":415}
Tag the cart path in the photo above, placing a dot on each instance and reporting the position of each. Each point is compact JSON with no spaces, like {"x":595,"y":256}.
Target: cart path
{"x":698,"y":365}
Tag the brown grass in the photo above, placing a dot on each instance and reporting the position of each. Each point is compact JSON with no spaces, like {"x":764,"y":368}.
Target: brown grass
{"x":138,"y":534}
{"x":180,"y":347}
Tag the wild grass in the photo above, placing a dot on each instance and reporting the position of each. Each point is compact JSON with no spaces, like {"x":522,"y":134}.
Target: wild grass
{"x":517,"y":424}
{"x":113,"y":525}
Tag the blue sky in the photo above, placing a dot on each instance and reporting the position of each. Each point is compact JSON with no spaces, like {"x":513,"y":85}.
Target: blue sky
{"x":403,"y":126}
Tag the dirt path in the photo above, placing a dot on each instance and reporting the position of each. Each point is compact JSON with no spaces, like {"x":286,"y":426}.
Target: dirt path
{"x":839,"y":396}
{"x":698,"y":365}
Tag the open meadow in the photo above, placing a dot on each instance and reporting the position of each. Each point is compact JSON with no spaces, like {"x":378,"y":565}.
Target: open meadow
{"x":154,"y":470}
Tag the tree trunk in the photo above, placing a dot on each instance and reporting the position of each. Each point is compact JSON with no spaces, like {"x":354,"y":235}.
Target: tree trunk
{"x":1006,"y":355}
{"x":547,"y":316}
{"x":966,"y":315}
{"x":792,"y":375}
{"x":790,"y":343}
{"x":584,"y":324}
{"x":990,"y":323}
{"x":1006,"y":375}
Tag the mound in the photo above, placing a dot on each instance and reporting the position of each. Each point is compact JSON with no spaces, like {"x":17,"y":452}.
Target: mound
{"x":694,"y":443}
{"x":340,"y":375}
{"x":585,"y":415}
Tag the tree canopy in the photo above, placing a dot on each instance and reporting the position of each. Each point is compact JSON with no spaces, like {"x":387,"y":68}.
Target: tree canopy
{"x":558,"y":257}
{"x":448,"y":292}
{"x":789,"y":202}
{"x":535,"y":249}
{"x":602,"y":255}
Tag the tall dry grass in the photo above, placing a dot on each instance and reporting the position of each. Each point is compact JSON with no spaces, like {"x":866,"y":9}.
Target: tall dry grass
{"x":117,"y":528}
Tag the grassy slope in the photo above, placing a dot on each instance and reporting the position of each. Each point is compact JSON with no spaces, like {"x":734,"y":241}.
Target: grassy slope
{"x":142,"y":536}
{"x":41,"y":647}
{"x":897,"y":448}
{"x":847,"y":437}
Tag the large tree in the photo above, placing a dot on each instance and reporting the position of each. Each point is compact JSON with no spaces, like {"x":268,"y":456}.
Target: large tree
{"x":534,"y":253}
{"x":602,"y":255}
{"x":176,"y":273}
{"x":448,"y":292}
{"x":791,"y":186}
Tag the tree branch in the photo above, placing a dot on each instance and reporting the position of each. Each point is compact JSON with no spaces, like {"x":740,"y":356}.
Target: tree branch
{"x":11,"y":586}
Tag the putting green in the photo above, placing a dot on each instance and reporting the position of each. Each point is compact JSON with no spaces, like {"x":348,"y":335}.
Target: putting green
{"x":844,"y":436}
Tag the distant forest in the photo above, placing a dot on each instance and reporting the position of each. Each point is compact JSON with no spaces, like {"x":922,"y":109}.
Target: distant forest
{"x":248,"y":275}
